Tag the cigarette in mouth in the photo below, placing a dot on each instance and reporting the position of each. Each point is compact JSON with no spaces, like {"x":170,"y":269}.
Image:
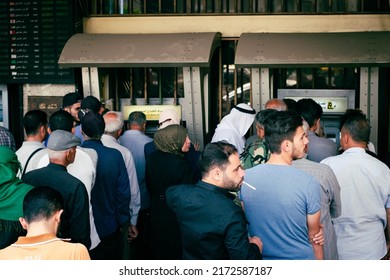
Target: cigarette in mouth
{"x":249,"y":185}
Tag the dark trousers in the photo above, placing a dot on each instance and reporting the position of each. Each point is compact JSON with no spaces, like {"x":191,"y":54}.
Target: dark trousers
{"x":109,"y":248}
{"x":139,"y":246}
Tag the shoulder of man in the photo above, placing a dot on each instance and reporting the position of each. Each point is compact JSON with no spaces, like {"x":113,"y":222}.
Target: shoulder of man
{"x":254,"y":154}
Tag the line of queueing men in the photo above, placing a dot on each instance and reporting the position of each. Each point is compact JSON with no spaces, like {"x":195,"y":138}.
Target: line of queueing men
{"x":117,"y":195}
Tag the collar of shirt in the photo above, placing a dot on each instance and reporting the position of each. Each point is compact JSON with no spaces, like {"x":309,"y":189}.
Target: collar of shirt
{"x":216,"y":189}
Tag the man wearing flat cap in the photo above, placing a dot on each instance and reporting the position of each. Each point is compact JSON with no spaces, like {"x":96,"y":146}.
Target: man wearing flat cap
{"x":75,"y":220}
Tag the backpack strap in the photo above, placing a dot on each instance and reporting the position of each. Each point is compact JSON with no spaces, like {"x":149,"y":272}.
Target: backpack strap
{"x":28,"y":160}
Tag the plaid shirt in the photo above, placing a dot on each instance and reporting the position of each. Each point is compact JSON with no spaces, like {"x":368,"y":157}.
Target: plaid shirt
{"x":7,"y":139}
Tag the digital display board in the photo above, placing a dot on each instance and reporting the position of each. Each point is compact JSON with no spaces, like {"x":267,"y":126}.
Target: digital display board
{"x":32,"y":35}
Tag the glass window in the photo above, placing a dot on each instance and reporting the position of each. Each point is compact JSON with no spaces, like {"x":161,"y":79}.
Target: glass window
{"x":291,"y":78}
{"x":323,"y":6}
{"x":260,"y":6}
{"x":307,"y":78}
{"x":153,"y":78}
{"x":147,"y":85}
{"x":337,"y":77}
{"x":322,"y":77}
{"x":277,"y":6}
{"x":235,"y":6}
{"x":352,"y":5}
{"x":308,"y":6}
{"x":152,"y":7}
{"x":291,"y":6}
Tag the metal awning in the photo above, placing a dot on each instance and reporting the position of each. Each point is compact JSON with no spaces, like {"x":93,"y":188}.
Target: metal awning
{"x":272,"y":50}
{"x":139,"y":50}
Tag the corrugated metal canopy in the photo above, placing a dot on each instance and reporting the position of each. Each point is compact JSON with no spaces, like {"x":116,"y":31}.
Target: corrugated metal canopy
{"x":313,"y":49}
{"x":139,"y":50}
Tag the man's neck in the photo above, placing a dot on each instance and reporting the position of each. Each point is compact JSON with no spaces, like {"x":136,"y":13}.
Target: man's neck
{"x":62,"y":162}
{"x":40,"y":228}
{"x":280,"y":159}
{"x":113,"y":135}
{"x":34,"y":138}
{"x":362,"y":145}
{"x":136,"y":127}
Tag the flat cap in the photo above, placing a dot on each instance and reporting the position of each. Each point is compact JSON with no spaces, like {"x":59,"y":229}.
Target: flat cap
{"x":61,"y":140}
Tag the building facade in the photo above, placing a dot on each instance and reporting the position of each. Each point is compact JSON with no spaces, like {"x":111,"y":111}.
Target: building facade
{"x":206,"y":56}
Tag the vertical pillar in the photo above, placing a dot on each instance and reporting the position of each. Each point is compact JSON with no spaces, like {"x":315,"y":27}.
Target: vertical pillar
{"x":260,"y":88}
{"x":193,"y":109}
{"x":90,"y":80}
{"x":369,"y":98}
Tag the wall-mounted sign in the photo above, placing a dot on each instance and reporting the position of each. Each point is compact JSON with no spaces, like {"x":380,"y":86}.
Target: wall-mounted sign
{"x":152,"y":112}
{"x":331,"y":101}
{"x":33,"y":35}
{"x":48,"y":104}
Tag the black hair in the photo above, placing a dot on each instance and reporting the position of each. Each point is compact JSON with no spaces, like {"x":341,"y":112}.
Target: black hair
{"x":33,"y":120}
{"x":61,"y":120}
{"x":41,"y":203}
{"x":291,"y":104}
{"x":262,"y":116}
{"x":215,"y":154}
{"x":355,"y":122}
{"x":280,"y":126}
{"x":310,"y":110}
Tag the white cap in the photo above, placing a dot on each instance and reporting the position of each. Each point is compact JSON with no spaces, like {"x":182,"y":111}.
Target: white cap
{"x":168,"y":117}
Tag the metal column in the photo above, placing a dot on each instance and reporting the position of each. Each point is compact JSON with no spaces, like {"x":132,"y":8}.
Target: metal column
{"x":193,"y":105}
{"x":90,"y":79}
{"x":260,"y":88}
{"x":369,"y":99}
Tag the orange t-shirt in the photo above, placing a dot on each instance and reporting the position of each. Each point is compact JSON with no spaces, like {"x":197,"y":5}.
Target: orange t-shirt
{"x":44,"y":247}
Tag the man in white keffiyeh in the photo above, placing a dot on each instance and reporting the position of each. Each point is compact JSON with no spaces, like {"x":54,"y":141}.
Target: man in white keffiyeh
{"x":235,"y":125}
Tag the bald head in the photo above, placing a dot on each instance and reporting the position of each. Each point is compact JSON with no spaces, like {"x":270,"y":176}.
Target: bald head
{"x":277,"y":104}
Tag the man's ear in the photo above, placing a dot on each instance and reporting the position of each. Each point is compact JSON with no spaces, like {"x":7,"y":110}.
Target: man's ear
{"x":23,"y":222}
{"x":43,"y":129}
{"x":286,"y":145}
{"x":346,"y":138}
{"x":216,"y":174}
{"x":57,"y":215}
{"x":317,"y":124}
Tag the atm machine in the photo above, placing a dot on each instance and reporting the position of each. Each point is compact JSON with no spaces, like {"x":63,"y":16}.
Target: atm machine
{"x":334,"y":103}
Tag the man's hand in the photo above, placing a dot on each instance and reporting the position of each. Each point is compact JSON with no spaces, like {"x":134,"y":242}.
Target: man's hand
{"x":319,"y":238}
{"x":196,"y":146}
{"x":133,"y":233}
{"x":256,"y":240}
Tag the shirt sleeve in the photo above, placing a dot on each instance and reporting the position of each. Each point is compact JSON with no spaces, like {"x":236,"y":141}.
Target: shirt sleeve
{"x":122,"y":197}
{"x":135,"y":202}
{"x":237,"y":242}
{"x":79,"y":221}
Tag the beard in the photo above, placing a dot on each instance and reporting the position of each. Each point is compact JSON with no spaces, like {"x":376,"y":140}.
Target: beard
{"x":230,"y":185}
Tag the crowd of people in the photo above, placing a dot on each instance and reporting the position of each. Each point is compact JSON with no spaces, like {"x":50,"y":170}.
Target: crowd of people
{"x":88,"y":185}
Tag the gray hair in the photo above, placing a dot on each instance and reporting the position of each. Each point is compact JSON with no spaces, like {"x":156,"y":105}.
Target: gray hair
{"x":277,"y":104}
{"x":56,"y":154}
{"x":137,"y":117}
{"x":113,"y":124}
